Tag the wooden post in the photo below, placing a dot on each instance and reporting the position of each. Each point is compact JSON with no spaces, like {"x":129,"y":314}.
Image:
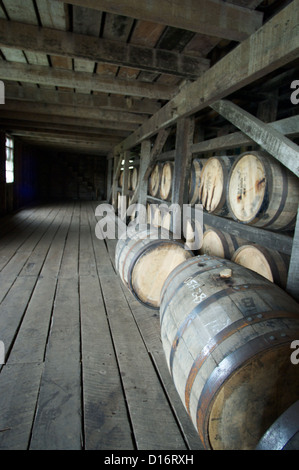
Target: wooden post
{"x":125,"y":185}
{"x":182,"y":166}
{"x":116,"y":166}
{"x":144,"y":163}
{"x":109,"y":175}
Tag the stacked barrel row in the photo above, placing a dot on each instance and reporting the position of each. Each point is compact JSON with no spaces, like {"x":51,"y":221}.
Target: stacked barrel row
{"x":253,"y":188}
{"x":226,"y":330}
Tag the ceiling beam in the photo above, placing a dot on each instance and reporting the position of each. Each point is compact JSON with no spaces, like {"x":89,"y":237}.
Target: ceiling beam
{"x":210,"y":17}
{"x":69,"y":140}
{"x":29,"y":92}
{"x":271,"y":47}
{"x":78,"y":46}
{"x":72,"y":111}
{"x":79,"y":137}
{"x":12,"y":125}
{"x":83,"y":80}
{"x":73,"y":147}
{"x":65,"y":120}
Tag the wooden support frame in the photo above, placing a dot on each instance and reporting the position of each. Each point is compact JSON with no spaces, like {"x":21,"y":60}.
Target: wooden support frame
{"x":109,"y":173}
{"x":182,"y":161}
{"x":125,"y":184}
{"x":283,"y":150}
{"x":272,"y":46}
{"x":147,"y":161}
{"x":142,"y":186}
{"x":274,"y":142}
{"x":116,"y":170}
{"x":288,"y":126}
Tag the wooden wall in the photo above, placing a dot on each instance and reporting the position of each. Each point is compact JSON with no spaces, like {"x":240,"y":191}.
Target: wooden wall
{"x":45,"y":175}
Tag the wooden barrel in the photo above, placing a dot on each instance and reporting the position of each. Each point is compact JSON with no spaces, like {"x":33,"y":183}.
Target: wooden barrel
{"x":134,"y":178}
{"x":214,"y":178}
{"x":219,"y":243}
{"x":262,"y":192}
{"x":194,"y":180}
{"x":166,"y":181}
{"x":154,"y":180}
{"x":226,"y":333}
{"x":145,"y":259}
{"x":268,"y":263}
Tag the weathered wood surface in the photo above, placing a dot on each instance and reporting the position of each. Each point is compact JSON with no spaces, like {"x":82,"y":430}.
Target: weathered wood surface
{"x":274,"y":142}
{"x":83,"y":80}
{"x":79,"y":370}
{"x":288,"y":126}
{"x":203,"y":16}
{"x":88,"y":48}
{"x":273,"y":45}
{"x":293,"y":274}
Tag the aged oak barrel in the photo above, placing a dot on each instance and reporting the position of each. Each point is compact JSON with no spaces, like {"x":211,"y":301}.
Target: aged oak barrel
{"x":268,"y":263}
{"x":219,"y":243}
{"x":194,"y":180}
{"x":166,"y":181}
{"x":145,"y":259}
{"x":154,"y":180}
{"x":214,"y":178}
{"x":226,"y":333}
{"x":262,"y":192}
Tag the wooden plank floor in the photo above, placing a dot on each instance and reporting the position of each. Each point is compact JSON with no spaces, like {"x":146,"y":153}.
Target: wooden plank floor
{"x":84,"y":365}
